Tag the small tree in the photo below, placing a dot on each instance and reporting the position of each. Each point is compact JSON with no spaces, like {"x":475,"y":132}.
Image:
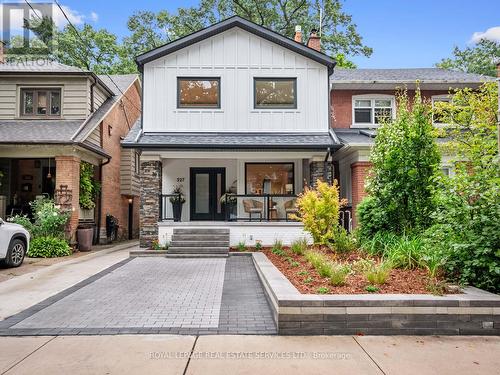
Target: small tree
{"x":405,"y":159}
{"x":319,"y":211}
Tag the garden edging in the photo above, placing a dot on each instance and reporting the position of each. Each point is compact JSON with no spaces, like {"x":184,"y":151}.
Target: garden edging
{"x":474,"y":312}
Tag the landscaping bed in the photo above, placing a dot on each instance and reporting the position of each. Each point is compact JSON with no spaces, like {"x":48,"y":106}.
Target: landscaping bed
{"x":308,"y":281}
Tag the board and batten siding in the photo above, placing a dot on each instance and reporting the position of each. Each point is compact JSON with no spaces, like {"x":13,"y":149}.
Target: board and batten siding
{"x":129,"y":179}
{"x":74,"y":95}
{"x":236,"y":56}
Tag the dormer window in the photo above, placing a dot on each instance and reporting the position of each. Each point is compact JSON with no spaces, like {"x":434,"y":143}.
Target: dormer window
{"x":371,"y":110}
{"x":41,"y":102}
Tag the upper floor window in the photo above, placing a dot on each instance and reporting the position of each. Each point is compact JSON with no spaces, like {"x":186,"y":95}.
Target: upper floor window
{"x":275,"y":93}
{"x":442,"y":116}
{"x":372,"y":110}
{"x":195,"y":92}
{"x":40,"y":102}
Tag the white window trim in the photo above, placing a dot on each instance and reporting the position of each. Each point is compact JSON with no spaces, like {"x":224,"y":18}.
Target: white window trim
{"x":450,"y":167}
{"x":372,"y":97}
{"x":436,"y":98}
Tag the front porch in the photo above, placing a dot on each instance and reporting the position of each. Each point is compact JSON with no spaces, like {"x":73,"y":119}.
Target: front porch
{"x":253,"y":194}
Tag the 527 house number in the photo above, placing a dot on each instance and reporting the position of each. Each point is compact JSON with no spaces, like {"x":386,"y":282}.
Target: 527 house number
{"x":180,"y":179}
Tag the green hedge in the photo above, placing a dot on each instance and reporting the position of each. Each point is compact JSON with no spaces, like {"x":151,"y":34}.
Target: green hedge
{"x":48,"y":247}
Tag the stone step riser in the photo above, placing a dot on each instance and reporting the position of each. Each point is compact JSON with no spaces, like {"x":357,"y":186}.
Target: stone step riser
{"x":199,"y":237}
{"x":196,"y":255}
{"x":201,"y":231}
{"x":199,"y":244}
{"x":197,"y":250}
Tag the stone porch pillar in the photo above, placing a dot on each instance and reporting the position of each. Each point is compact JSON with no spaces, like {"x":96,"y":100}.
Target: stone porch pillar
{"x":151,"y":188}
{"x":359,"y":172}
{"x":68,"y":175}
{"x":317,"y":172}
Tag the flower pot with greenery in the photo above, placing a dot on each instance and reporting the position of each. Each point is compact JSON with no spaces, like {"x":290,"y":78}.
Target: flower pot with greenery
{"x":177,"y":199}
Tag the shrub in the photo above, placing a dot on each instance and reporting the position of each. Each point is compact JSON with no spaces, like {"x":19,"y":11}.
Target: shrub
{"x":49,"y":220}
{"x":156,"y":245}
{"x":339,"y":273}
{"x":377,"y":244}
{"x":372,"y":289}
{"x":319,"y":211}
{"x":299,"y":246}
{"x":378,"y":273}
{"x":278,"y":244}
{"x":344,"y":242}
{"x":322,"y":290}
{"x":405,"y":158}
{"x":48,"y":247}
{"x":242,"y":246}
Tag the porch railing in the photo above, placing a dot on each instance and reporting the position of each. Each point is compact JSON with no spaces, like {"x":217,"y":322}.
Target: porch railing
{"x":264,"y":207}
{"x":345,"y":218}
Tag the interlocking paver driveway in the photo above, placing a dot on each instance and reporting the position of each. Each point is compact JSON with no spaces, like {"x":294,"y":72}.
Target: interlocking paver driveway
{"x":158,"y":295}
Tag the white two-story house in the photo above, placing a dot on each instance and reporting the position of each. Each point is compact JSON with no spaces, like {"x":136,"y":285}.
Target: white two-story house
{"x":237,"y":118}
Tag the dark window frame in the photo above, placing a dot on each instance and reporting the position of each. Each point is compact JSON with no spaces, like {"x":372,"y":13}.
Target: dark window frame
{"x":275,"y":106}
{"x":36,"y":91}
{"x":197,"y":78}
{"x":270,"y":162}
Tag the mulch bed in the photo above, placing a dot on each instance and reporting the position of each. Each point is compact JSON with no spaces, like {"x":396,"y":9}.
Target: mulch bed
{"x":399,"y":282}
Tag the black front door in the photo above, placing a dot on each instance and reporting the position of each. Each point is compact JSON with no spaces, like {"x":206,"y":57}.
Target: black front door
{"x":207,"y":185}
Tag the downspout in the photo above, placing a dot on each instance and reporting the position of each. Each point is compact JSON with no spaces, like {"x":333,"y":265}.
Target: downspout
{"x":325,"y":168}
{"x":92,"y":106}
{"x":99,"y":214}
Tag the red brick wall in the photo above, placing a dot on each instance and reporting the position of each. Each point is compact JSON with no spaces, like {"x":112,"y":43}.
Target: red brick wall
{"x":359,"y":172}
{"x":68,"y":173}
{"x":114,"y":128}
{"x":342,"y":103}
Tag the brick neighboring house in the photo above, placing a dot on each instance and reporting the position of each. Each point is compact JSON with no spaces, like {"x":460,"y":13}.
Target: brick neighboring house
{"x":53,"y":117}
{"x":358,"y":94}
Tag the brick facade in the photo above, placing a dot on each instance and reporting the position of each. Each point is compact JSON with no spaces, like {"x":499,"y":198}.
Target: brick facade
{"x":342,"y":103}
{"x":359,"y":172}
{"x":114,"y":128}
{"x":151,"y":186}
{"x":68,"y":174}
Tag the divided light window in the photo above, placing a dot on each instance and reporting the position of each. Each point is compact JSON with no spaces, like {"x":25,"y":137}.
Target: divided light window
{"x":196,"y":92}
{"x":271,"y":93}
{"x":372,"y":111}
{"x":40,"y":102}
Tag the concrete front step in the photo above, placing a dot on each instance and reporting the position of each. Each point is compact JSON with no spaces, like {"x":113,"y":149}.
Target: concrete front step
{"x":196,"y":255}
{"x":200,"y":237}
{"x":201,"y":231}
{"x":177,"y":243}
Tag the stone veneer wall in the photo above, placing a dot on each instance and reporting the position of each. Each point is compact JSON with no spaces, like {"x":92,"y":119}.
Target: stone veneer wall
{"x":316,"y":172}
{"x":475,"y":312}
{"x":151,"y":178}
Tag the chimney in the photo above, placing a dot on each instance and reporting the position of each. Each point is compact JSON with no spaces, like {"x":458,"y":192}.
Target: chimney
{"x":314,"y":41}
{"x":298,"y":34}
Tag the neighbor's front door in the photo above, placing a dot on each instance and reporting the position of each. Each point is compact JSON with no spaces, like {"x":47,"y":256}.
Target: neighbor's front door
{"x":207,"y":185}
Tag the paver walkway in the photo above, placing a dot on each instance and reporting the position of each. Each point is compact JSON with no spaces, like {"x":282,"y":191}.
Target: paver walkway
{"x":155,"y":295}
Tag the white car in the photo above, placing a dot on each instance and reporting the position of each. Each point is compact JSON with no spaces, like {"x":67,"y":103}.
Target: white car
{"x":14,"y":243}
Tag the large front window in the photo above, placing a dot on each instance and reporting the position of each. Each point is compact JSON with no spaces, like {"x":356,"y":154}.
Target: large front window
{"x":41,"y":102}
{"x":273,"y":93}
{"x":372,"y":111}
{"x":198,"y":92}
{"x":269,"y":178}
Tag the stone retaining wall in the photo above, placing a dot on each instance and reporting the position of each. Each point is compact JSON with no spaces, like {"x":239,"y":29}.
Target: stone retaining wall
{"x":475,"y":312}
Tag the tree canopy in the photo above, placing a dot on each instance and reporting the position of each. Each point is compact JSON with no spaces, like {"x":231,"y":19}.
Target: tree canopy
{"x":480,"y":58}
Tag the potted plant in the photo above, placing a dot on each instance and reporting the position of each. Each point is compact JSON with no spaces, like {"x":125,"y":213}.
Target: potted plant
{"x":228,"y":201}
{"x":177,"y":199}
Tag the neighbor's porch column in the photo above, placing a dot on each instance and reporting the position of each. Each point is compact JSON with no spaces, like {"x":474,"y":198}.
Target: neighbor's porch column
{"x":68,"y":174}
{"x":359,"y":172}
{"x":151,"y":188}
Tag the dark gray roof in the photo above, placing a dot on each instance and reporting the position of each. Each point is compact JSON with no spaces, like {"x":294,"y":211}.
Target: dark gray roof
{"x":358,"y":137}
{"x":229,"y":140}
{"x":37,"y":131}
{"x":244,"y":24}
{"x":39,"y":66}
{"x":406,"y":76}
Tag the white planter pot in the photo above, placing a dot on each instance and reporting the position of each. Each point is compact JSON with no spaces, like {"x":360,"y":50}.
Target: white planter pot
{"x":86,"y":214}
